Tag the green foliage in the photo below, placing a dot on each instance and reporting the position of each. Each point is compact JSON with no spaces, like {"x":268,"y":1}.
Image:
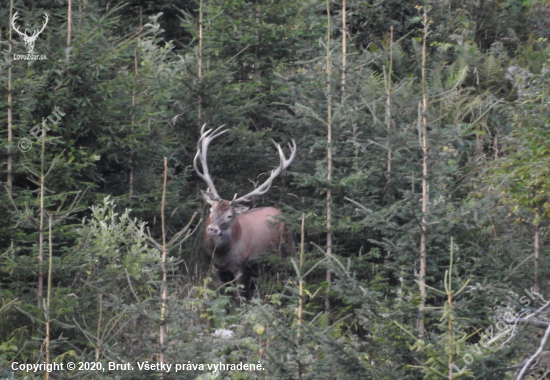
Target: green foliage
{"x":111,"y":245}
{"x":444,"y":350}
{"x":521,"y":174}
{"x":130,"y":90}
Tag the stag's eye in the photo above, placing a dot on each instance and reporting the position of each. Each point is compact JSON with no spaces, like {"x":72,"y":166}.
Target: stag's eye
{"x":229,"y":216}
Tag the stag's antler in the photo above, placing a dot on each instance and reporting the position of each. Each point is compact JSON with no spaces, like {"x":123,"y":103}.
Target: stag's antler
{"x":35,"y":33}
{"x":284,"y":163}
{"x":15,"y":26}
{"x":202,"y":150}
{"x":43,"y":26}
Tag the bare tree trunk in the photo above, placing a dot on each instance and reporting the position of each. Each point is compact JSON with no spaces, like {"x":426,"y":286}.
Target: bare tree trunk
{"x":48,"y":297}
{"x":162,"y":331}
{"x":257,"y":68}
{"x":9,"y":168}
{"x":425,"y":187}
{"x":389,"y":132}
{"x":69,"y":22}
{"x":388,"y":104}
{"x":537,"y":249}
{"x":329,"y":158}
{"x":199,"y":73}
{"x":301,"y":279}
{"x":344,"y":51}
{"x":450,"y":331}
{"x":300,"y":292}
{"x":131,"y":179}
{"x":40,"y":290}
{"x":98,"y":338}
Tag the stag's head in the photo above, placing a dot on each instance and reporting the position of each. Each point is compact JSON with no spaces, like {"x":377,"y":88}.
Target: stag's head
{"x":29,"y":40}
{"x":223,"y":212}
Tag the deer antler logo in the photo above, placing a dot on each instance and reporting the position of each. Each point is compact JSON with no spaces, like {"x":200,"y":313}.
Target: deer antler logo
{"x":29,"y":40}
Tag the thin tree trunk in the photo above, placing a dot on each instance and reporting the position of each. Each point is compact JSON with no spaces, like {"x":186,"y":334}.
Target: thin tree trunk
{"x":329,"y":159}
{"x":69,"y":22}
{"x":131,"y":179}
{"x":425,"y":187}
{"x":388,"y":104}
{"x":388,"y":84}
{"x":97,"y":338}
{"x":449,"y":289}
{"x":132,"y":121}
{"x":48,"y":297}
{"x":199,"y":73}
{"x":537,"y":249}
{"x":300,"y":293}
{"x":9,"y":168}
{"x":301,"y":279}
{"x":162,"y":331}
{"x":344,"y":51}
{"x":40,"y":290}
{"x":257,"y":68}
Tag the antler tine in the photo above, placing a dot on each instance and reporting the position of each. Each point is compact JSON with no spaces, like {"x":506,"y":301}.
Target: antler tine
{"x":286,"y":163}
{"x":46,"y":23}
{"x":35,"y":32}
{"x":15,"y":17}
{"x":202,"y":151}
{"x":283,"y":164}
{"x":214,"y":134}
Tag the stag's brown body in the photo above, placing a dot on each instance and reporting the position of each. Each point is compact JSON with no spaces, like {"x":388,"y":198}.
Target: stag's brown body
{"x":235,"y":235}
{"x":250,"y":236}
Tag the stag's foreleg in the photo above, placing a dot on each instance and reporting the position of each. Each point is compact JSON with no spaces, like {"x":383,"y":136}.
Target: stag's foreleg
{"x":242,"y":283}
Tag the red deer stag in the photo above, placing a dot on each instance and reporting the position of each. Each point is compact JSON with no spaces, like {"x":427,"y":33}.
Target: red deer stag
{"x":235,"y":235}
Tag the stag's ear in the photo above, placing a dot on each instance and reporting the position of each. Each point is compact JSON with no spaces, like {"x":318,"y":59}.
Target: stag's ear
{"x":238,"y":209}
{"x":209,"y":197}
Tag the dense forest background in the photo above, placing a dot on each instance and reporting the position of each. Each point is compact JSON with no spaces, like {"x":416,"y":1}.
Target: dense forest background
{"x":418,"y":197}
